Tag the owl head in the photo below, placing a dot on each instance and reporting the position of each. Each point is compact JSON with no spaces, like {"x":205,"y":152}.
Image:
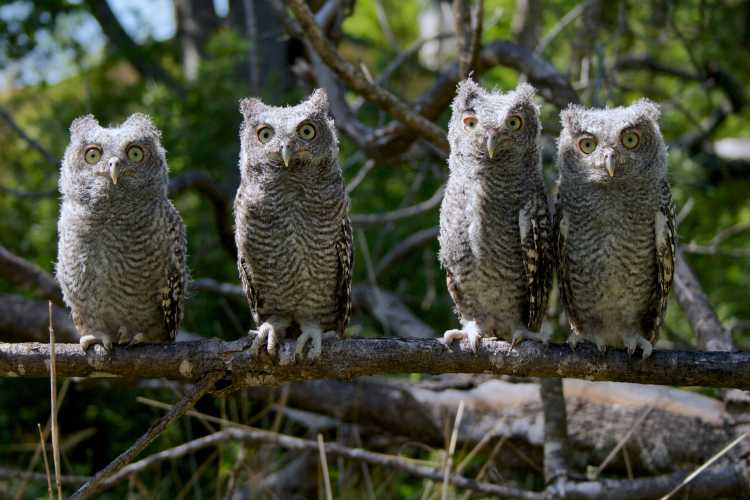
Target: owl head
{"x":113,"y":161}
{"x":298,"y":139}
{"x":493,"y":126}
{"x":612,"y":145}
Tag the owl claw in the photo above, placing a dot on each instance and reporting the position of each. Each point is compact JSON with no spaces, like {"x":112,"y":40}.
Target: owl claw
{"x":471,"y":334}
{"x":87,"y":341}
{"x":635,"y":341}
{"x":313,"y":334}
{"x":267,"y":337}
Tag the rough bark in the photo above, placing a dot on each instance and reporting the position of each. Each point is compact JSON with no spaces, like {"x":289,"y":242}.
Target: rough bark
{"x":347,"y":358}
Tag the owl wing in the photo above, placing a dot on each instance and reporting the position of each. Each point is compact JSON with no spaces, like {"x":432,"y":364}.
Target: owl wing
{"x":664,"y":234}
{"x":172,"y":296}
{"x":246,"y":276}
{"x":538,"y":256}
{"x":560,"y":242}
{"x":345,"y":257}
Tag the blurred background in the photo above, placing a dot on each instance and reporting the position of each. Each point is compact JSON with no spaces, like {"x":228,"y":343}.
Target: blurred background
{"x":188,"y":62}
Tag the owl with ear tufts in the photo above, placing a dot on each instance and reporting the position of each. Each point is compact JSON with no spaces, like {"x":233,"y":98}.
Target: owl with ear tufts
{"x":494,"y":220}
{"x":614,"y":225}
{"x":292,"y":228}
{"x":121,"y":259}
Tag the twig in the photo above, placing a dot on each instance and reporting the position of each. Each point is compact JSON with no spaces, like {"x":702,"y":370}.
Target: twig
{"x":452,"y":449}
{"x":354,"y":78}
{"x":406,"y":246}
{"x":705,"y":466}
{"x":11,"y":122}
{"x":638,"y":421}
{"x":401,"y":213}
{"x":46,"y":462}
{"x":361,"y":174}
{"x":8,"y":473}
{"x":564,"y":21}
{"x":95,"y":484}
{"x":53,"y":405}
{"x":324,"y":467}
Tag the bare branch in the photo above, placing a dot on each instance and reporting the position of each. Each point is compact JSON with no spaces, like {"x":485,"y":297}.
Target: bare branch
{"x":555,"y":432}
{"x":406,"y":246}
{"x":357,"y":81}
{"x":346,"y":358}
{"x":24,"y":320}
{"x":11,"y":122}
{"x":468,"y":22}
{"x":709,"y":332}
{"x":7,"y":473}
{"x":95,"y":484}
{"x":401,"y":213}
{"x":24,"y":274}
{"x":390,"y":311}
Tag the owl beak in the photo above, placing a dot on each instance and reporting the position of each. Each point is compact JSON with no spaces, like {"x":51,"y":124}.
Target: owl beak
{"x":491,"y":145}
{"x":609,"y":163}
{"x":286,"y":154}
{"x":114,"y":169}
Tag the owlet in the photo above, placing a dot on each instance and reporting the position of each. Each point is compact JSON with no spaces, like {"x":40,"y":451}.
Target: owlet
{"x":615,"y":225}
{"x":294,"y":238}
{"x":494,"y":220}
{"x":122,"y":250}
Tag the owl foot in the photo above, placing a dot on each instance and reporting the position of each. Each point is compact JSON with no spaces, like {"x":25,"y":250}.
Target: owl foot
{"x":86,"y":341}
{"x":270,"y":333}
{"x":126,"y":338}
{"x":634,"y":341}
{"x":313,"y":334}
{"x":470,"y":332}
{"x":520,"y":334}
{"x":573,"y":340}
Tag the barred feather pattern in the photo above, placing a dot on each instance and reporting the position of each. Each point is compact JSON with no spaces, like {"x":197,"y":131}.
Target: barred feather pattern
{"x":122,"y":247}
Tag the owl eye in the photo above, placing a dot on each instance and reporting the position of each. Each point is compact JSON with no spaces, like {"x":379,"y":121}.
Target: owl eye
{"x":630,"y":139}
{"x":306,"y":131}
{"x":265,"y":134}
{"x":587,"y":144}
{"x":514,"y":122}
{"x":135,"y":154}
{"x":470,"y":121}
{"x":92,"y":155}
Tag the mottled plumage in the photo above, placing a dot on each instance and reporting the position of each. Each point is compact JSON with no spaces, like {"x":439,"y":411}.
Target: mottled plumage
{"x":494,"y":220}
{"x":614,"y":224}
{"x":293,"y":234}
{"x":122,"y":250}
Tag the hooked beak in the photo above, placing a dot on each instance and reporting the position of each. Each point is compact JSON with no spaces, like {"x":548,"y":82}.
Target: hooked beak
{"x":114,"y":169}
{"x":491,"y":145}
{"x":610,"y":162}
{"x":286,"y":154}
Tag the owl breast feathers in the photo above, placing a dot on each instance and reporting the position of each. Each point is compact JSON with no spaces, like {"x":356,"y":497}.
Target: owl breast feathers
{"x":122,"y":248}
{"x":494,"y":220}
{"x":293,"y":234}
{"x":614,"y":225}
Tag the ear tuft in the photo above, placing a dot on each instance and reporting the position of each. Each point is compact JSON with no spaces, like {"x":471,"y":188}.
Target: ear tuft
{"x":250,"y":106}
{"x":82,"y":124}
{"x":143,"y":121}
{"x":647,"y":108}
{"x":319,"y":99}
{"x":525,"y":92}
{"x":569,"y":116}
{"x":466,"y":91}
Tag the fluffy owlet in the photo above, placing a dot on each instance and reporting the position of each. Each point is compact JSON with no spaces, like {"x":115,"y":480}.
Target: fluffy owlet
{"x":122,"y":248}
{"x":615,"y":225}
{"x":494,"y":220}
{"x":293,"y":234}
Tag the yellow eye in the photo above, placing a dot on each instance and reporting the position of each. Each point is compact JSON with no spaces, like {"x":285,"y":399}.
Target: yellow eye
{"x":306,"y":131}
{"x":630,"y":138}
{"x":135,"y":154}
{"x":92,"y":155}
{"x":470,"y":121}
{"x":587,"y":144}
{"x":514,"y":122}
{"x":265,"y":134}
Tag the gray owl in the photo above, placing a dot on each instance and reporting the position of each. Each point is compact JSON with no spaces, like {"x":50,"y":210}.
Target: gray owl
{"x":294,"y":238}
{"x":614,"y":224}
{"x":122,"y":248}
{"x":495,"y":231}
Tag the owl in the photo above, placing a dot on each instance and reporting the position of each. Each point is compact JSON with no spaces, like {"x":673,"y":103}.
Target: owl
{"x":121,"y":259}
{"x":292,"y":228}
{"x":495,"y":230}
{"x":614,"y":225}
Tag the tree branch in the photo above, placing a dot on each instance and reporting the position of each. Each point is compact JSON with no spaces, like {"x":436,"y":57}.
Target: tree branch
{"x":23,"y":320}
{"x":24,"y":274}
{"x":11,"y":122}
{"x":346,"y":358}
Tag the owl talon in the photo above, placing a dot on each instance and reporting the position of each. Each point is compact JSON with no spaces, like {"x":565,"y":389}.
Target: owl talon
{"x":138,"y":338}
{"x":635,"y":341}
{"x":313,"y":334}
{"x":86,"y":341}
{"x":469,"y":332}
{"x":268,"y":337}
{"x":573,"y":341}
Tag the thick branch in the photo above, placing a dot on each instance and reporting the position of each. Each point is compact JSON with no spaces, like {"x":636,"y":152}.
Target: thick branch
{"x":346,"y":358}
{"x":23,"y":320}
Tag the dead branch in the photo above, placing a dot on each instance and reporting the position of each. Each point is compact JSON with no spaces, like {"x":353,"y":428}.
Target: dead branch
{"x":95,"y":484}
{"x":555,"y":432}
{"x":468,"y":22}
{"x":401,"y":213}
{"x":347,"y":358}
{"x":406,"y":246}
{"x":24,"y":320}
{"x":24,"y":274}
{"x":357,"y":81}
{"x":390,"y":311}
{"x":710,"y":334}
{"x":21,"y":475}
